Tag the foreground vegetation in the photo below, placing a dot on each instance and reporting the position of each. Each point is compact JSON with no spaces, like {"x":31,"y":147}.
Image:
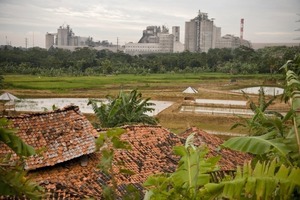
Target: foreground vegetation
{"x":273,"y":174}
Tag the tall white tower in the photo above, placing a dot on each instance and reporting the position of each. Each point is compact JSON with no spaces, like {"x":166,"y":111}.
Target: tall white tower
{"x":242,"y":29}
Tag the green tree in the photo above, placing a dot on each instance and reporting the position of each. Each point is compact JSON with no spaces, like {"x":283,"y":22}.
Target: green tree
{"x":281,"y":136}
{"x":1,"y":82}
{"x":126,"y":108}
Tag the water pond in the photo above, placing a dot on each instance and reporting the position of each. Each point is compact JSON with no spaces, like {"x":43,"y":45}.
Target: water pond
{"x":42,"y":104}
{"x":216,"y":111}
{"x":221,"y":102}
{"x":255,"y":90}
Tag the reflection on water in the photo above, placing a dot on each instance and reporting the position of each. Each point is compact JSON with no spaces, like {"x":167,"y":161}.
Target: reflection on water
{"x":255,"y":90}
{"x":216,"y":111}
{"x":221,"y":102}
{"x":39,"y":105}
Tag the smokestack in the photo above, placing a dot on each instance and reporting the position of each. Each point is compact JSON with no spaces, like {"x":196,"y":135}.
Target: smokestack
{"x":242,"y":28}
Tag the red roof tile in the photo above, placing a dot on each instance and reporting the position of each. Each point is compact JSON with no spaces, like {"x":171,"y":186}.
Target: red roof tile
{"x":68,"y":132}
{"x":63,"y":134}
{"x":151,"y":153}
{"x":229,"y":158}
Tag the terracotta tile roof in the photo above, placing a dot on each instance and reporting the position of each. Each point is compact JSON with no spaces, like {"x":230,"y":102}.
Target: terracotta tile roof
{"x":230,"y":159}
{"x":79,"y":178}
{"x":151,"y":153}
{"x":64,"y":134}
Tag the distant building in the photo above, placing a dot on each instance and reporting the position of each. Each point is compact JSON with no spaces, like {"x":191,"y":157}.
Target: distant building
{"x":177,"y":45}
{"x":50,"y":40}
{"x":65,"y":38}
{"x":232,"y":42}
{"x":156,"y":39}
{"x":201,"y":35}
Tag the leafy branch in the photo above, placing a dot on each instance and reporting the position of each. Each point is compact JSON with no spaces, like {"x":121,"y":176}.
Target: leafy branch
{"x":13,"y":179}
{"x":265,"y":181}
{"x":190,"y":175}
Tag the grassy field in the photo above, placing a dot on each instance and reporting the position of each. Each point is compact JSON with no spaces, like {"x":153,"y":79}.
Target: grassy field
{"x":157,"y":87}
{"x":95,"y":86}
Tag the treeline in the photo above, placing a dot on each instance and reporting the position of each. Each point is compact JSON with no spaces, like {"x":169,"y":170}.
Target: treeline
{"x":87,"y":61}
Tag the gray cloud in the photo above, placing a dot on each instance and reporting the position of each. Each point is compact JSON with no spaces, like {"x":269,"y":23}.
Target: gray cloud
{"x":269,"y":20}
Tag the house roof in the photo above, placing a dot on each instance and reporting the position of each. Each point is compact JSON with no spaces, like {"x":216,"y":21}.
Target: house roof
{"x":63,"y":134}
{"x":8,"y":97}
{"x":229,"y":158}
{"x":190,"y":90}
{"x":151,"y":153}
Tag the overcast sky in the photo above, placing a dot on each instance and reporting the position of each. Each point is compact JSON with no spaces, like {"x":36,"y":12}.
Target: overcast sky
{"x":265,"y":20}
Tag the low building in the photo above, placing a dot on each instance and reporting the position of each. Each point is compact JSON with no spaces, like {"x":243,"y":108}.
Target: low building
{"x":232,"y":42}
{"x":65,"y":38}
{"x":156,"y":40}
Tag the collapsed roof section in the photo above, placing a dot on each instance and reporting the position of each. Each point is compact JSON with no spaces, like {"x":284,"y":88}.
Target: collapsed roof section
{"x":62,"y":135}
{"x":151,"y":153}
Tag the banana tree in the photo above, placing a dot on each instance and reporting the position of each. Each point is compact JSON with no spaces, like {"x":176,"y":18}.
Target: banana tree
{"x":264,"y":181}
{"x":282,"y":141}
{"x":263,"y":120}
{"x":126,"y":108}
{"x":191,"y":174}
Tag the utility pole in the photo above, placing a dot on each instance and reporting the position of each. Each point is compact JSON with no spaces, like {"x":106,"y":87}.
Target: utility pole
{"x":117,"y":44}
{"x":32,"y":39}
{"x":26,"y":41}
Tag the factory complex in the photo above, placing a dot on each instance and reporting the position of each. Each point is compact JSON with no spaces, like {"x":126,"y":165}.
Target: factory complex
{"x":201,"y":34}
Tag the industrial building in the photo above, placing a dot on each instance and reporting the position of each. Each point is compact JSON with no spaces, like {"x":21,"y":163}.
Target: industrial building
{"x":156,"y":39}
{"x":201,"y":34}
{"x":231,"y":41}
{"x":65,"y":38}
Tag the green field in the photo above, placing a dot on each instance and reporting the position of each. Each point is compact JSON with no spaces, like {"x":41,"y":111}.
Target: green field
{"x":69,"y":84}
{"x":166,"y":87}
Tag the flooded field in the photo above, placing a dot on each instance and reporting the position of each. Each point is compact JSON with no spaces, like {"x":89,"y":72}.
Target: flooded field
{"x":221,"y":102}
{"x":42,"y":104}
{"x":255,"y":90}
{"x":215,"y":110}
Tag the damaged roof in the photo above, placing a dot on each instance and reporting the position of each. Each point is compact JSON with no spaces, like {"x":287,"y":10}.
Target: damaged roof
{"x":151,"y":153}
{"x":62,"y":135}
{"x":67,"y":168}
{"x":229,"y":158}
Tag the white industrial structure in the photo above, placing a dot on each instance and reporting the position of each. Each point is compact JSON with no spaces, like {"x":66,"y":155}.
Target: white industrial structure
{"x":201,"y":35}
{"x":156,"y":40}
{"x":232,"y":42}
{"x":66,"y":39}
